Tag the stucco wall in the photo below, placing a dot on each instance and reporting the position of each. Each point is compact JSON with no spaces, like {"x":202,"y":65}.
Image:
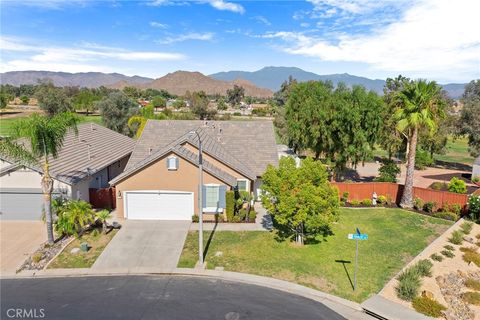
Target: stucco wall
{"x":476,"y":170}
{"x":157,"y":177}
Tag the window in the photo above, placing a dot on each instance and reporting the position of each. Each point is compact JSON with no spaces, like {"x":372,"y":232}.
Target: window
{"x":172,"y":163}
{"x":242,"y":185}
{"x":211,"y":196}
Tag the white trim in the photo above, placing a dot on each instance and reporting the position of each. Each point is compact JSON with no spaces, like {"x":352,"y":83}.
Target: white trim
{"x":174,"y":167}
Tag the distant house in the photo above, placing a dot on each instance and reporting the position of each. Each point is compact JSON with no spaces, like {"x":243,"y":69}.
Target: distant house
{"x":476,"y":168}
{"x":89,"y":159}
{"x":161,"y":180}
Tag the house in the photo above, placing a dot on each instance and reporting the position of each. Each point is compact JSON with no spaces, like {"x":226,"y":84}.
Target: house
{"x":476,"y":168}
{"x":161,"y":180}
{"x":87,"y":160}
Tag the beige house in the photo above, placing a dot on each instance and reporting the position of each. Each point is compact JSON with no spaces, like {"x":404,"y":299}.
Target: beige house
{"x":87,"y":160}
{"x":161,"y":180}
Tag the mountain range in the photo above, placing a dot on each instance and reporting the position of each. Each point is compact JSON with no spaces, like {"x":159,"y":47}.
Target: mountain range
{"x":260,"y":83}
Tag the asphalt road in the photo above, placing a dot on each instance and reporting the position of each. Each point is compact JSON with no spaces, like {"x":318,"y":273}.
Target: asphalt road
{"x":151,"y":297}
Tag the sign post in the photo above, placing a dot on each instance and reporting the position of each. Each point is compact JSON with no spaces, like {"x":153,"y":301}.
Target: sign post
{"x":356,"y":236}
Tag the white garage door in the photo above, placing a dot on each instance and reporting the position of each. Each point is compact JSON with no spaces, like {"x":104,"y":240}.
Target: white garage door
{"x":159,"y":205}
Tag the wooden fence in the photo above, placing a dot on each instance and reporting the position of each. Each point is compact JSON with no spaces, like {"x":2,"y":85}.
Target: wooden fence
{"x":364,"y":190}
{"x":103,"y":198}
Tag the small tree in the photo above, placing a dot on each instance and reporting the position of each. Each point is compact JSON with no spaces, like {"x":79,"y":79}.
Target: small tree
{"x":25,"y":99}
{"x":388,"y":171}
{"x":52,"y":100}
{"x":116,"y":109}
{"x":103,"y":215}
{"x":85,"y":100}
{"x":235,"y":95}
{"x":73,"y":217}
{"x":159,"y":102}
{"x":457,"y":185}
{"x":301,"y":200}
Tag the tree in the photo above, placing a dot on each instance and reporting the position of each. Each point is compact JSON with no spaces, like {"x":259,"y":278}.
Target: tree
{"x":45,"y":136}
{"x":132,"y":92}
{"x":281,"y":96}
{"x":115,"y":110}
{"x":199,"y":103}
{"x":301,"y":200}
{"x":470,"y":116}
{"x":52,"y":100}
{"x":419,"y":104}
{"x":221,"y":105}
{"x":103,"y":215}
{"x":249,"y":100}
{"x":25,"y":99}
{"x":3,"y":100}
{"x":388,"y":171}
{"x":179,"y":104}
{"x":158,"y":102}
{"x":85,"y":100}
{"x":235,"y":95}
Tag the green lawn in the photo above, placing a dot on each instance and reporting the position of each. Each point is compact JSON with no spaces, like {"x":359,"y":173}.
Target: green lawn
{"x":395,"y":237}
{"x":6,"y":124}
{"x":96,"y":240}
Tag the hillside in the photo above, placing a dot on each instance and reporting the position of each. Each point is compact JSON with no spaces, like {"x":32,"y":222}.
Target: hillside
{"x":273,"y":77}
{"x":61,"y":79}
{"x":180,"y":82}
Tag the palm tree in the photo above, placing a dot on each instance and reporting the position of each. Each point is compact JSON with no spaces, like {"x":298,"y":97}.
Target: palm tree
{"x":33,"y":142}
{"x":103,"y":215}
{"x":419,"y":105}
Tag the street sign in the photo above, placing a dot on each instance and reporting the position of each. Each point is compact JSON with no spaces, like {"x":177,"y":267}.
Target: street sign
{"x":356,"y":236}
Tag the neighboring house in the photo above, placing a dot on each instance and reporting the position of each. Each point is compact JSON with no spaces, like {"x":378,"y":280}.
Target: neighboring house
{"x":285,"y":151}
{"x":87,"y":160}
{"x":161,"y":180}
{"x":476,"y":168}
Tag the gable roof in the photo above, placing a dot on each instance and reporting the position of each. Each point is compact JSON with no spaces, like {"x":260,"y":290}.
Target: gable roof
{"x":245,"y":146}
{"x":92,"y":149}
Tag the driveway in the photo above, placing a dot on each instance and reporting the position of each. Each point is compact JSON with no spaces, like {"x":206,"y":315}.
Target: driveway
{"x":145,"y":244}
{"x":19,"y":239}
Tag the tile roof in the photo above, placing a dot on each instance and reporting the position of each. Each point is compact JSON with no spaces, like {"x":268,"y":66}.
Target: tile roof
{"x":247,"y":146}
{"x":92,"y":149}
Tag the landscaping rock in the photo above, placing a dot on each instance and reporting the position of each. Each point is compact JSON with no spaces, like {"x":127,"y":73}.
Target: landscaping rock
{"x":428,"y":294}
{"x":75,"y":250}
{"x":218,"y":254}
{"x":47,"y":253}
{"x":469,"y":239}
{"x":451,"y":287}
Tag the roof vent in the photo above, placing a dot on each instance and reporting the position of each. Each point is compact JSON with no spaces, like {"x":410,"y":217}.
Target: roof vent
{"x":150,"y":151}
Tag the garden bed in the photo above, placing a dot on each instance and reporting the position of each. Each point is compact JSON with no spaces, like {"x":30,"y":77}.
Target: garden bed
{"x":43,"y":255}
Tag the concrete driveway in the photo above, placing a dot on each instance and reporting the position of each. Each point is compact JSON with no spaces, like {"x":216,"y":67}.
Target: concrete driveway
{"x":19,"y":239}
{"x":145,"y":244}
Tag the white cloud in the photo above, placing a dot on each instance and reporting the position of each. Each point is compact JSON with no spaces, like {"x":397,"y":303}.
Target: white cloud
{"x":83,"y":57}
{"x":228,"y":6}
{"x":434,"y":39}
{"x":158,"y":25}
{"x":208,"y":36}
{"x":158,"y":3}
{"x":263,"y":20}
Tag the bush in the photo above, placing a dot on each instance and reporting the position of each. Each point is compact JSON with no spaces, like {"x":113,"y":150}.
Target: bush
{"x":355,"y":202}
{"x":423,"y":268}
{"x":195,"y":218}
{"x":474,"y":208}
{"x":422,"y":160}
{"x":418,"y":203}
{"x":457,"y":185}
{"x":449,"y":247}
{"x":429,"y":206}
{"x":236,"y":113}
{"x":436,"y":257}
{"x":446,"y":215}
{"x":230,"y":204}
{"x":252,"y":216}
{"x":470,"y":256}
{"x":454,"y":207}
{"x":366,"y":202}
{"x":73,"y":217}
{"x":471,"y":298}
{"x":382,"y":199}
{"x":473,"y":284}
{"x":468,"y":249}
{"x":408,"y":284}
{"x":37,"y":257}
{"x":439,"y":186}
{"x":476,"y":179}
{"x":448,"y":253}
{"x":457,"y":237}
{"x":466,"y":227}
{"x":388,"y":171}
{"x":344,"y":197}
{"x":428,"y":306}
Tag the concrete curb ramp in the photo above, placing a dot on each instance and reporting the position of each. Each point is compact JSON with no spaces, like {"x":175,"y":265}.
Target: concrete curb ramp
{"x":382,"y":308}
{"x":346,"y":308}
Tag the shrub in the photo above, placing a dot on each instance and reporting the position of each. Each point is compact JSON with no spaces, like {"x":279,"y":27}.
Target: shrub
{"x":439,"y":186}
{"x":468,"y":249}
{"x":457,"y":185}
{"x":454,"y":207}
{"x":474,"y":208}
{"x":466,"y":227}
{"x":428,"y":306}
{"x":473,"y":284}
{"x":470,"y":256}
{"x":422,"y":160}
{"x":448,"y":253}
{"x":195,"y":218}
{"x":457,"y":237}
{"x":418,"y":203}
{"x":366,"y":202}
{"x":449,"y":247}
{"x":344,"y":197}
{"x":423,"y":268}
{"x":252,"y":215}
{"x":230,"y":204}
{"x":471,"y":298}
{"x":73,"y":217}
{"x":382,"y":199}
{"x":476,"y":179}
{"x":429,"y":206}
{"x":446,"y":215}
{"x":436,"y":257}
{"x":37,"y":257}
{"x":236,"y":113}
{"x":408,"y":284}
{"x":388,"y":171}
{"x":355,"y":202}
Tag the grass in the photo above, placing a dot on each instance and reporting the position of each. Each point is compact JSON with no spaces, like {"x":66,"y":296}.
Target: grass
{"x":97,"y":240}
{"x":473,"y":284}
{"x":6,"y":123}
{"x":471,"y":298}
{"x":395,"y":237}
{"x":428,"y":306}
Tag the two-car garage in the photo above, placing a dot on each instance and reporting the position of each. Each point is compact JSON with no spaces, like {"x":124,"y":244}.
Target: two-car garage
{"x":158,"y":205}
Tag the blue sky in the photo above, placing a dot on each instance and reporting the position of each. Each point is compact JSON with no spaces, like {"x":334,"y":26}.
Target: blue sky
{"x":434,"y":39}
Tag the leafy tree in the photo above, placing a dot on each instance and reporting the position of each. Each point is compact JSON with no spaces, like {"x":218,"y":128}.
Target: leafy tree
{"x":137,"y":123}
{"x":25,"y":99}
{"x":388,"y":171}
{"x":221,"y":105}
{"x":85,"y":100}
{"x":3,"y":100}
{"x":115,"y":110}
{"x":199,"y":104}
{"x":132,"y":92}
{"x":419,"y":104}
{"x":45,"y":136}
{"x":301,"y":200}
{"x":149,"y":93}
{"x":52,"y":100}
{"x":159,"y":102}
{"x":249,"y":100}
{"x":470,"y":116}
{"x":179,"y":104}
{"x":281,"y":96}
{"x":73,"y":217}
{"x":235,"y":95}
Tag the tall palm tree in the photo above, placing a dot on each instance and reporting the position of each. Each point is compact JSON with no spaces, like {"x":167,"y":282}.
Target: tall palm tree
{"x":419,"y":105}
{"x":33,"y":142}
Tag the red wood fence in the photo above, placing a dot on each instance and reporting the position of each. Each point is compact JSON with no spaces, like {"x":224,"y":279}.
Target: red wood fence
{"x":103,"y":198}
{"x":364,"y":190}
